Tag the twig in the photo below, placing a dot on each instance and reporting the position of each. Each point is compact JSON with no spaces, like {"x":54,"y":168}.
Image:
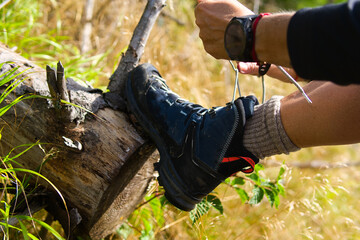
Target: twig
{"x":176,"y":20}
{"x":3,"y":4}
{"x":146,"y":202}
{"x":172,"y":224}
{"x":136,"y":46}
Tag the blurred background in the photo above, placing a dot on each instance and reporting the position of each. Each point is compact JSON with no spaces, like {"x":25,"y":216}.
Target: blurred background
{"x":321,"y":184}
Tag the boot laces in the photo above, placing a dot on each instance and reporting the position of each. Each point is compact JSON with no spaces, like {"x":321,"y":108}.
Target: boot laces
{"x":181,"y":101}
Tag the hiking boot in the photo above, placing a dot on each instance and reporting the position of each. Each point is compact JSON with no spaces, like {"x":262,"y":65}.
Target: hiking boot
{"x":199,"y":148}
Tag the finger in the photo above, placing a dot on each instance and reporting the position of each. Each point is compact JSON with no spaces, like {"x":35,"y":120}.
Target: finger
{"x":248,"y":68}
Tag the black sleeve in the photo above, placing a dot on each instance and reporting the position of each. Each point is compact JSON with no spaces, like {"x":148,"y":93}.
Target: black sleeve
{"x":324,"y":43}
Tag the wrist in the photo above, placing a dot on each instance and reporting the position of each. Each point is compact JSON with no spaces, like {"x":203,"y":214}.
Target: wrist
{"x":254,"y":28}
{"x":271,"y":39}
{"x":239,"y":38}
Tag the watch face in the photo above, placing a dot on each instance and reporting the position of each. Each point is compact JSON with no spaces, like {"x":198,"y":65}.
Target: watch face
{"x":235,"y":40}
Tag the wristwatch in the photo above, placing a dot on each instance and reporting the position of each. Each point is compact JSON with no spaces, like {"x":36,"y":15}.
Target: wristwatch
{"x":239,"y":39}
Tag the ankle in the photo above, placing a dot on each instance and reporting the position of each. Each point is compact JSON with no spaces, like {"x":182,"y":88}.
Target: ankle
{"x":264,"y":134}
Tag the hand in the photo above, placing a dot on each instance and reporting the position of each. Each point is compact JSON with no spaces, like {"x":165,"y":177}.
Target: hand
{"x":212,"y":17}
{"x":274,"y":72}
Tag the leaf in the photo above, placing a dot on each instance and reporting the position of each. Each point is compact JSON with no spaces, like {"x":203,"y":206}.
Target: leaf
{"x":43,"y":224}
{"x":50,"y":229}
{"x":273,"y":197}
{"x":7,"y":226}
{"x":8,"y":77}
{"x":124,"y":231}
{"x":281,"y":173}
{"x":255,"y":178}
{"x":163,"y":201}
{"x":17,"y":100}
{"x":258,"y":195}
{"x":215,"y":203}
{"x":24,"y":230}
{"x":281,"y":189}
{"x":270,"y":196}
{"x":148,"y":226}
{"x":146,"y":235}
{"x":200,"y":209}
{"x":1,"y":132}
{"x":244,"y":197}
{"x":259,"y":167}
{"x":227,"y":181}
{"x":238,"y":181}
{"x":268,"y":184}
{"x":157,"y":210}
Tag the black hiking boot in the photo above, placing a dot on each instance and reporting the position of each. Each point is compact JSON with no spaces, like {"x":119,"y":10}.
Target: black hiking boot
{"x":199,"y":148}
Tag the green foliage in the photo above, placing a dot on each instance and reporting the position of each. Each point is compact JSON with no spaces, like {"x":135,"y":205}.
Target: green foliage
{"x":20,"y":28}
{"x":9,"y":180}
{"x":149,"y":218}
{"x":261,"y":187}
{"x":202,"y":208}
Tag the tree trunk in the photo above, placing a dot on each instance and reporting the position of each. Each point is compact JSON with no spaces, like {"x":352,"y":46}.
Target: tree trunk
{"x":99,"y":162}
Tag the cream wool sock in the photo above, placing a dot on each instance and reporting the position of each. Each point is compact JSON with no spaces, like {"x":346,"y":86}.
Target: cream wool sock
{"x":264,"y":134}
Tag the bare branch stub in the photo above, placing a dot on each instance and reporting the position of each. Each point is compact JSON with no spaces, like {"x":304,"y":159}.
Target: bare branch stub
{"x":52,"y":84}
{"x":61,"y":82}
{"x":58,"y":91}
{"x":136,"y":46}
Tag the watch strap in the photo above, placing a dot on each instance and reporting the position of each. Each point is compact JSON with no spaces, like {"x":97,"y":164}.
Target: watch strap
{"x":245,"y":41}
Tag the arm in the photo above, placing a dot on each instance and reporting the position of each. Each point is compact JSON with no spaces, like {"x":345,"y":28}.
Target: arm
{"x":332,"y":118}
{"x":212,"y":17}
{"x":327,"y":37}
{"x":284,"y":125}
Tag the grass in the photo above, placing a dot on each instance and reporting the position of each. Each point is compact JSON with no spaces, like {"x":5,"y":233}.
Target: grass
{"x":14,"y":190}
{"x":318,"y":204}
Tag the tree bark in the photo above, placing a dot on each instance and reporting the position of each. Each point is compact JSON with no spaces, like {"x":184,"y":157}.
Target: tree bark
{"x":136,"y":46}
{"x":104,"y":178}
{"x":99,"y":161}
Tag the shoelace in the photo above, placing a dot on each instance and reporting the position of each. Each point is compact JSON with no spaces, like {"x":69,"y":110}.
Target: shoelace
{"x":200,"y":110}
{"x":292,"y":80}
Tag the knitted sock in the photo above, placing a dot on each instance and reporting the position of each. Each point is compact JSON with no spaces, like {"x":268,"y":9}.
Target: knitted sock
{"x":264,"y":134}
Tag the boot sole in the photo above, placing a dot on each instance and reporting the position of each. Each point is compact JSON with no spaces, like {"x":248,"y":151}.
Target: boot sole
{"x":175,"y":191}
